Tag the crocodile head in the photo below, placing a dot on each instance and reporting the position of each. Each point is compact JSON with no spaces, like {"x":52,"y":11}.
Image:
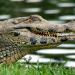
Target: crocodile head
{"x":24,"y":28}
{"x":20,"y":30}
{"x":30,"y":29}
{"x":35,"y":26}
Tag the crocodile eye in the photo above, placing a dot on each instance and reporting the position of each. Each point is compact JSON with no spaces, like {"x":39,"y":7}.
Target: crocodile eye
{"x":16,"y":33}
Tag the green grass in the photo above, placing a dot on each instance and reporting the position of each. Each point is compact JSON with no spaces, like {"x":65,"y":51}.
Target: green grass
{"x":41,"y":69}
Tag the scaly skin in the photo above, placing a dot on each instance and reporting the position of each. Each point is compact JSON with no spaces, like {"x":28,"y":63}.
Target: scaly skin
{"x":16,"y":31}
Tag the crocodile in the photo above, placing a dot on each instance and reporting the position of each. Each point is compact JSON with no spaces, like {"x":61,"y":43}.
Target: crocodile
{"x":16,"y":34}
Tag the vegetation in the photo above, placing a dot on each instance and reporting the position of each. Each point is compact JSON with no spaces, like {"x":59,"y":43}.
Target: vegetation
{"x":24,"y":69}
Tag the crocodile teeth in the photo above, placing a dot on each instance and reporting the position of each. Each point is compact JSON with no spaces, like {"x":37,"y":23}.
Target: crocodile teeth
{"x":46,"y":34}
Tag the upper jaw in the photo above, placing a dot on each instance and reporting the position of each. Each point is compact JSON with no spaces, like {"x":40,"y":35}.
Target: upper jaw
{"x":34,"y":21}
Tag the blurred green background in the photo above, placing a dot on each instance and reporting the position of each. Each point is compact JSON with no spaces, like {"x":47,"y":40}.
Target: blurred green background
{"x":52,"y":10}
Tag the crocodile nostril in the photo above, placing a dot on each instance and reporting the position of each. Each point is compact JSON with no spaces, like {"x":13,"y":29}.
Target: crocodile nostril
{"x":33,"y":40}
{"x":43,"y":40}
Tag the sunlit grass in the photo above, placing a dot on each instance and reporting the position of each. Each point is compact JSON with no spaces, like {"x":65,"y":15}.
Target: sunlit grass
{"x":31,"y":69}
